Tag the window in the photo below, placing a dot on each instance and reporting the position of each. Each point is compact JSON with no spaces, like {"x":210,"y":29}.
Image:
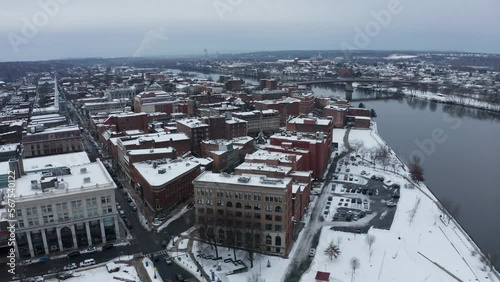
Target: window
{"x":105,"y":199}
{"x":269,"y":208}
{"x":91,"y":202}
{"x":248,"y":214}
{"x":200,"y":201}
{"x":46,"y":209}
{"x":20,"y":223}
{"x":269,"y":227}
{"x":229,"y":204}
{"x":256,"y":207}
{"x":278,"y":209}
{"x":277,"y":241}
{"x":239,"y":214}
{"x":220,"y":203}
{"x":277,"y":228}
{"x":248,"y":206}
{"x":269,"y":240}
{"x":92,"y":212}
{"x":19,"y":213}
{"x":209,"y":202}
{"x":277,"y":218}
{"x":256,"y":215}
{"x":201,"y":210}
{"x":269,"y":217}
{"x":220,"y":212}
{"x":210,"y":211}
{"x":238,"y":205}
{"x":107,"y":209}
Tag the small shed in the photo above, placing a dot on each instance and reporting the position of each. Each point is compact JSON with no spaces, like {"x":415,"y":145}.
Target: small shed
{"x":322,"y":276}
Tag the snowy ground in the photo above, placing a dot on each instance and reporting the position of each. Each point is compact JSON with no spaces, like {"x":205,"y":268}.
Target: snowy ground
{"x":175,"y":217}
{"x":154,"y":276}
{"x":426,"y":248}
{"x":102,"y":274}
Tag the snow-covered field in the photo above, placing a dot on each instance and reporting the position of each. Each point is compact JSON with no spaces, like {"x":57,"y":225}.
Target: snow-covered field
{"x":427,"y":248}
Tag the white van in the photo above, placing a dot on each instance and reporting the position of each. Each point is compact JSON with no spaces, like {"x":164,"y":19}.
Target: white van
{"x":87,"y":262}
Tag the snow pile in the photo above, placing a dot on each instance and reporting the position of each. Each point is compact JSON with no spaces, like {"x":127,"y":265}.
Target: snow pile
{"x":175,"y":217}
{"x":126,"y":273}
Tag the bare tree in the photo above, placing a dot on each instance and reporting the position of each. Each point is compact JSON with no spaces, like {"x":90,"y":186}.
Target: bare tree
{"x":332,"y":251}
{"x":207,"y":232}
{"x":256,"y":278}
{"x":370,"y":239}
{"x":253,"y":243}
{"x":492,"y":259}
{"x":383,"y":155}
{"x":357,"y":145}
{"x":394,"y":164}
{"x":355,"y":264}
{"x":416,"y":170}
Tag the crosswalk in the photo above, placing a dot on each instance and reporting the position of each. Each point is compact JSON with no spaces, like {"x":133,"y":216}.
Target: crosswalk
{"x":158,"y":253}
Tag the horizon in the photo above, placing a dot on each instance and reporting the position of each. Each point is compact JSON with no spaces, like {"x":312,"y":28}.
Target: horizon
{"x":58,"y":29}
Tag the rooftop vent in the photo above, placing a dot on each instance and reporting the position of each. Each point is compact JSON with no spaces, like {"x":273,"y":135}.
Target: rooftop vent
{"x":83,"y":170}
{"x":162,"y":171}
{"x":243,"y":179}
{"x":86,"y":180}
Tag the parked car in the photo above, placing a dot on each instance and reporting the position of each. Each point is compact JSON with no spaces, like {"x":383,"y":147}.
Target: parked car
{"x":129,"y":199}
{"x":168,"y":260}
{"x":355,"y":217}
{"x":122,"y":213}
{"x":90,"y":250}
{"x":312,"y":252}
{"x":134,"y":208}
{"x":336,"y":216}
{"x":390,"y":204}
{"x":373,"y":177}
{"x":73,"y":254}
{"x":363,"y":172}
{"x":70,"y":266}
{"x":44,"y":259}
{"x":87,"y":262}
{"x":108,"y":246}
{"x":330,"y":198}
{"x":179,"y":277}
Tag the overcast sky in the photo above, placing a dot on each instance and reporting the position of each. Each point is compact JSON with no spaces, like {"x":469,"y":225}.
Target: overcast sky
{"x":125,"y":28}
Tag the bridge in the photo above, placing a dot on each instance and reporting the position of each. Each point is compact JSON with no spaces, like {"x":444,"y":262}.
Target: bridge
{"x":349,"y":81}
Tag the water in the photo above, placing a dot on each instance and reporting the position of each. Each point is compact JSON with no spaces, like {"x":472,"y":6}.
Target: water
{"x":460,"y":152}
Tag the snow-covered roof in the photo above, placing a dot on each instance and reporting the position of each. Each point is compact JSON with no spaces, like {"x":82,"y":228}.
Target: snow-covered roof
{"x":88,"y":176}
{"x":316,"y":121}
{"x":61,"y":160}
{"x":157,"y":137}
{"x":264,"y":167}
{"x":244,"y":180}
{"x":267,"y":155}
{"x":151,"y":151}
{"x":8,"y":147}
{"x":192,"y":123}
{"x":166,"y":171}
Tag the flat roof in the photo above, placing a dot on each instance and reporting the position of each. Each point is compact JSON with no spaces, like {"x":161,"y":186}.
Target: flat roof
{"x":69,"y":159}
{"x":151,"y":151}
{"x":95,"y":177}
{"x":56,"y":130}
{"x":157,"y":137}
{"x":192,"y":123}
{"x":173,"y":169}
{"x":8,"y":147}
{"x":316,"y":121}
{"x":267,"y":155}
{"x":264,"y":167}
{"x":244,"y":180}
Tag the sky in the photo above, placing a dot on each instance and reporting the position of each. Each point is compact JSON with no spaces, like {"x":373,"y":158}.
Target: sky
{"x":54,"y":29}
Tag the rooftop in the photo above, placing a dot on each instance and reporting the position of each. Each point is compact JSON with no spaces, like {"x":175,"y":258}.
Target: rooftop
{"x":8,"y":147}
{"x":56,"y":130}
{"x":160,"y":172}
{"x":267,"y":155}
{"x":285,"y":170}
{"x":316,"y":121}
{"x":251,"y":180}
{"x":192,"y":123}
{"x":151,"y":151}
{"x":59,"y":181}
{"x":157,"y":137}
{"x":61,"y":160}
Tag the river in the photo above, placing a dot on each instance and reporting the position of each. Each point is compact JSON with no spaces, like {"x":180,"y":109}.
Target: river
{"x":460,"y":152}
{"x":460,"y":149}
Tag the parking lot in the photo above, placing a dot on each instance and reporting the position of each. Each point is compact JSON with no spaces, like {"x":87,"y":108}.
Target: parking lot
{"x":357,"y":202}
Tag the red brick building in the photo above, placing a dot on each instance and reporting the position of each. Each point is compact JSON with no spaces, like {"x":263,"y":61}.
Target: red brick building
{"x":338,"y":113}
{"x":306,"y":104}
{"x":269,"y":84}
{"x":196,"y":130}
{"x":163,"y":184}
{"x":287,"y":107}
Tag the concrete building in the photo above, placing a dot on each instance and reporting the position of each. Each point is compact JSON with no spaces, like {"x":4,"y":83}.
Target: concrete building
{"x":252,"y":209}
{"x":156,"y":101}
{"x":109,"y":106}
{"x":10,"y":151}
{"x":51,"y":141}
{"x":165,"y":183}
{"x":64,"y":208}
{"x":267,"y":121}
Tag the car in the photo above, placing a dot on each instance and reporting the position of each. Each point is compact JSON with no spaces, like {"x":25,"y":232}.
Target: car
{"x":348,"y":217}
{"x":358,"y":191}
{"x":342,"y":190}
{"x":70,"y":266}
{"x":336,"y":177}
{"x":363,"y":172}
{"x":122,"y":213}
{"x":168,"y":260}
{"x":341,"y":199}
{"x":381,"y":178}
{"x":330,"y":198}
{"x":134,"y":208}
{"x":359,"y":201}
{"x":351,"y":177}
{"x":312,"y":252}
{"x":390,"y":204}
{"x":44,"y":259}
{"x":179,"y":277}
{"x":355,"y":217}
{"x":129,"y":199}
{"x":87,"y":262}
{"x":155,"y":257}
{"x":364,"y":191}
{"x":90,"y":250}
{"x":340,"y":203}
{"x":118,"y":207}
{"x":348,"y":190}
{"x":370,"y":192}
{"x":348,"y":170}
{"x":321,"y":218}
{"x":345,"y":177}
{"x":108,"y":246}
{"x":326,"y":213}
{"x":336,"y":216}
{"x":362,"y":214}
{"x":346,"y":204}
{"x":73,"y":254}
{"x":353,"y":190}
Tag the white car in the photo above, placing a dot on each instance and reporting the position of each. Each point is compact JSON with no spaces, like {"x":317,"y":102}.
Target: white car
{"x":87,"y":262}
{"x":70,"y":266}
{"x":90,"y":250}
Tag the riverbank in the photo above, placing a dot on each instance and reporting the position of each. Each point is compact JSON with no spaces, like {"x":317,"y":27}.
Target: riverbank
{"x":422,"y":244}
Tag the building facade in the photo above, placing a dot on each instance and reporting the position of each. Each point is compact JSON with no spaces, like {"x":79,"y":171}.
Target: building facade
{"x":52,"y":141}
{"x":65,"y":208}
{"x":244,"y":209}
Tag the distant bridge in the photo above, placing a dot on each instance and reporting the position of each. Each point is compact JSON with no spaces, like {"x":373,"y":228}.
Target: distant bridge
{"x":363,"y":80}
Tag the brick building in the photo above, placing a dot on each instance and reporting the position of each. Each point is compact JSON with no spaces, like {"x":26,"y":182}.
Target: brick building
{"x":261,"y":95}
{"x":196,"y":130}
{"x":269,"y":84}
{"x":163,"y":184}
{"x":256,"y":208}
{"x":306,"y":104}
{"x":287,"y":107}
{"x":52,"y":141}
{"x":338,"y":113}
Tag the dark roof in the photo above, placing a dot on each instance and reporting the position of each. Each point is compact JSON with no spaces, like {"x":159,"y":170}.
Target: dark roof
{"x":322,"y":276}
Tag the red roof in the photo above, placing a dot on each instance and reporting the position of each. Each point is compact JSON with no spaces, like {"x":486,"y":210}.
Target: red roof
{"x":322,"y":276}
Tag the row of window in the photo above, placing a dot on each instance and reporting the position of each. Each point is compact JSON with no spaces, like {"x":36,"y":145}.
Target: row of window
{"x":238,"y":205}
{"x":243,"y":196}
{"x":268,"y":217}
{"x":240,"y":224}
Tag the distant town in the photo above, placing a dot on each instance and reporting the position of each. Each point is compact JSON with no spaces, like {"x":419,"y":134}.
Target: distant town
{"x":229,"y":168}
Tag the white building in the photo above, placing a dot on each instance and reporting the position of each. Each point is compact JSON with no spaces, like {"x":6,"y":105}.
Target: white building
{"x":120,"y":93}
{"x":63,"y":208}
